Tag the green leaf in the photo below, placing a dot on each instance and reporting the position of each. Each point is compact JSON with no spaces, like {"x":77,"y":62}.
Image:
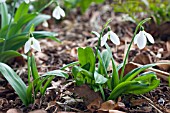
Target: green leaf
{"x":47,"y":83}
{"x":146,"y":82}
{"x":15,"y":81}
{"x":129,"y":76}
{"x":29,"y":93}
{"x":102,"y":67}
{"x":18,"y":26}
{"x":115,"y":75}
{"x":58,"y":73}
{"x":86,"y":56}
{"x":2,"y":39}
{"x":21,"y":11}
{"x":99,"y":79}
{"x":69,"y":65}
{"x":4,"y":14}
{"x":36,"y":21}
{"x":7,"y":55}
{"x":34,"y":68}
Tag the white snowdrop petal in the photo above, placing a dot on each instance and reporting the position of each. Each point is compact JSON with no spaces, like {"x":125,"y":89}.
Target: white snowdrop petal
{"x":150,"y":38}
{"x":36,"y":45}
{"x":114,"y":38}
{"x":56,"y":14}
{"x":62,"y":13}
{"x":27,"y":1}
{"x":2,"y":1}
{"x":96,"y":33}
{"x":141,"y":40}
{"x":135,"y":39}
{"x":27,"y":46}
{"x":104,"y":39}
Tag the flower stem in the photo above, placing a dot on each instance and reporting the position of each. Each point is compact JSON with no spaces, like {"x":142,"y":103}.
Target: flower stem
{"x":10,"y":22}
{"x":49,"y":3}
{"x":127,"y":54}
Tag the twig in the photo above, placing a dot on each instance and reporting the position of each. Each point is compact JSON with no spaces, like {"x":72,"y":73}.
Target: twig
{"x":151,"y":103}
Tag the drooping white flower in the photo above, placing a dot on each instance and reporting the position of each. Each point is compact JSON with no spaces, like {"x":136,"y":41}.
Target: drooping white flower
{"x":2,"y":1}
{"x":32,"y":43}
{"x":141,"y":39}
{"x":58,"y":13}
{"x":112,"y":36}
{"x":27,"y":1}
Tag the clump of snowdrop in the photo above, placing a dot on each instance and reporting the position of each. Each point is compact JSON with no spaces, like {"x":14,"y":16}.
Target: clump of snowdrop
{"x":32,"y":43}
{"x":141,"y":38}
{"x":58,"y":13}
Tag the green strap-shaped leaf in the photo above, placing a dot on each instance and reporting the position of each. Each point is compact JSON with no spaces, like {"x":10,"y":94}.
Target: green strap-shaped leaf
{"x":15,"y":81}
{"x":4,"y":14}
{"x":6,"y":55}
{"x":132,"y":74}
{"x":36,"y":21}
{"x":34,"y":68}
{"x":21,"y":11}
{"x":58,"y":73}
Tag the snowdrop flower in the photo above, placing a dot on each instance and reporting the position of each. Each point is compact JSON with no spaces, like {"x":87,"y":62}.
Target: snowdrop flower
{"x":2,"y":1}
{"x":27,"y":1}
{"x":32,"y":43}
{"x":58,"y":13}
{"x":112,"y":36}
{"x":141,"y":39}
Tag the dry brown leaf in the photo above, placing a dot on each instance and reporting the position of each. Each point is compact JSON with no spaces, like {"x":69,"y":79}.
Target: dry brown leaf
{"x":86,"y":93}
{"x":164,"y":67}
{"x":129,"y":67}
{"x":38,"y":111}
{"x":142,"y":59}
{"x":13,"y":111}
{"x":137,"y":102}
{"x":111,"y":105}
{"x":168,"y":45}
{"x":95,"y":105}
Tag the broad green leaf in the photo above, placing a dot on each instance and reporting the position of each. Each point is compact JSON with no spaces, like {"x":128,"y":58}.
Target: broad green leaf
{"x":79,"y":78}
{"x":36,"y":21}
{"x":99,"y":79}
{"x":15,"y":81}
{"x":7,"y":55}
{"x":132,"y":74}
{"x":4,"y":14}
{"x":21,"y":11}
{"x":86,"y":56}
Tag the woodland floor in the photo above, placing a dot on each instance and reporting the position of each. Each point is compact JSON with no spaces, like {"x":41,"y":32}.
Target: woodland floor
{"x":75,"y":31}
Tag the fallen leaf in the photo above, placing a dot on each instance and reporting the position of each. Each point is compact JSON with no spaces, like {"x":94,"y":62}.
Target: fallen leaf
{"x":164,"y":67}
{"x":137,"y":102}
{"x":13,"y":111}
{"x":142,"y":59}
{"x":95,"y":105}
{"x":129,"y":67}
{"x":38,"y":111}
